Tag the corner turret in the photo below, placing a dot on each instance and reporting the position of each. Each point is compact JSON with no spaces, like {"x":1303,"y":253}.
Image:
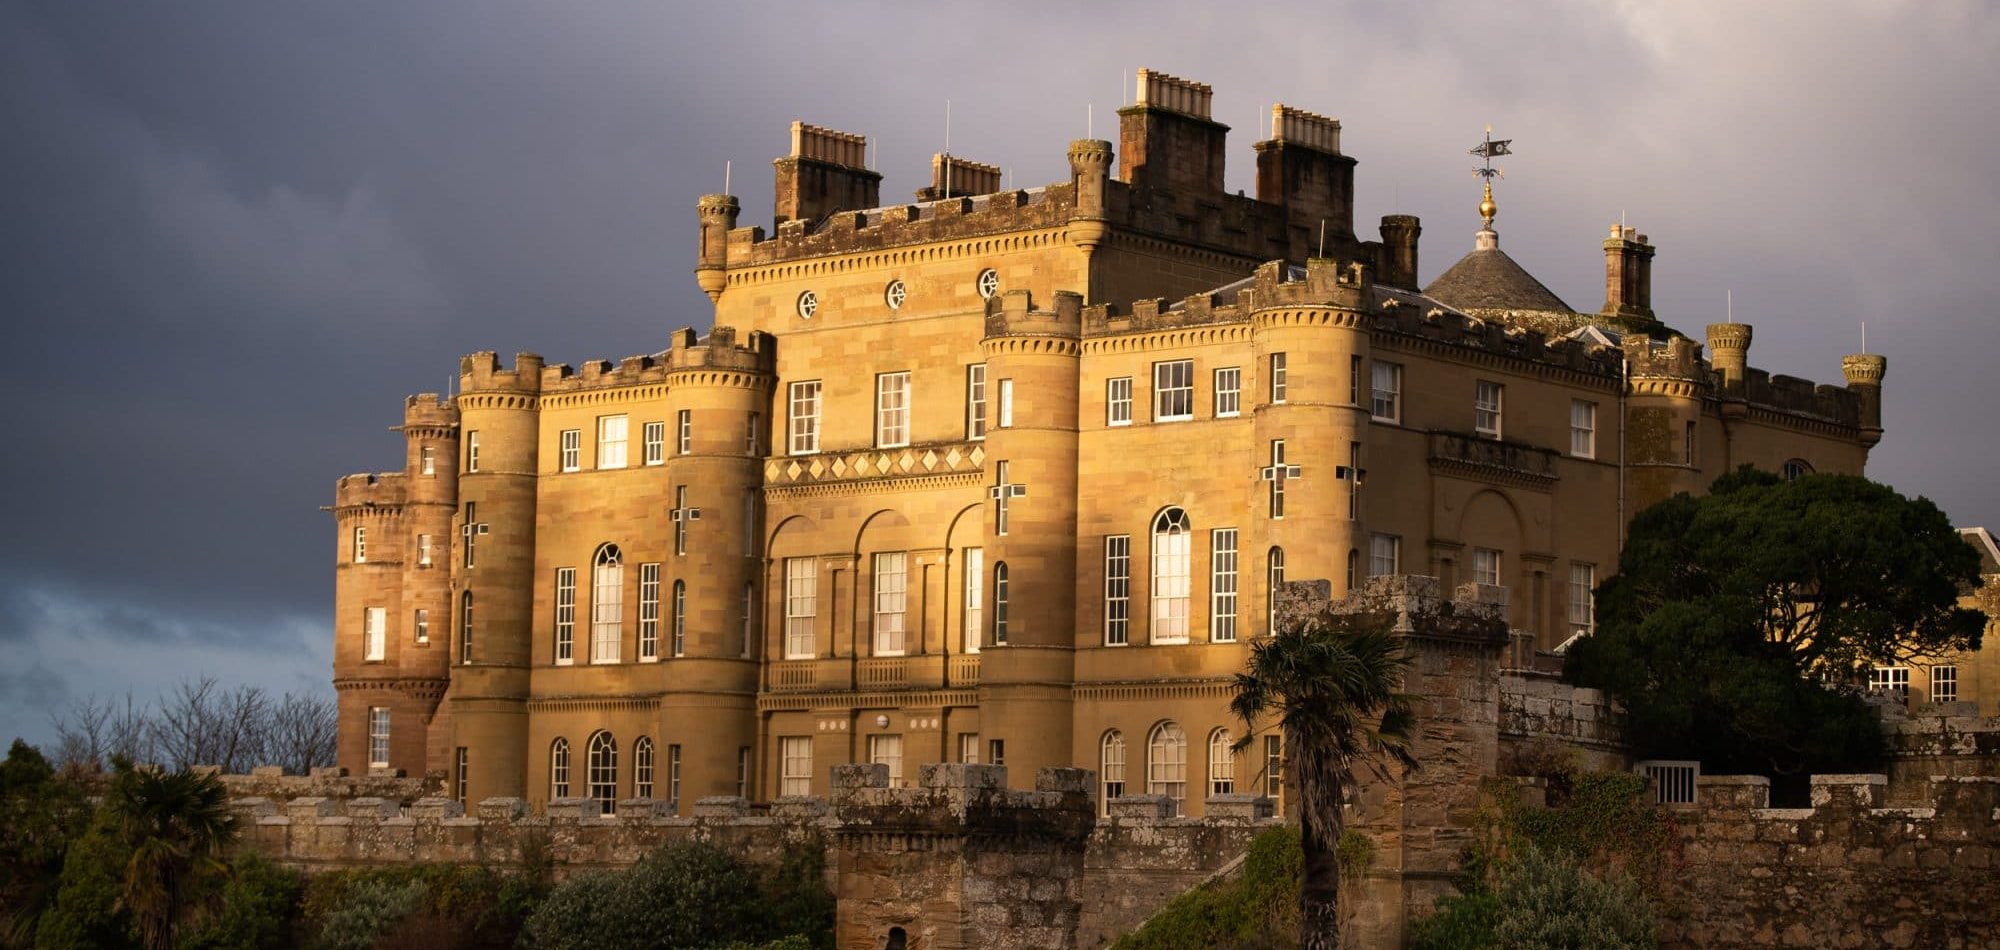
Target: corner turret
{"x":1864,"y":379}
{"x":718,"y":218}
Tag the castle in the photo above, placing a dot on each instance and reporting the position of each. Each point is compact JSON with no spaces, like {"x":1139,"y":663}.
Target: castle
{"x":1009,"y":477}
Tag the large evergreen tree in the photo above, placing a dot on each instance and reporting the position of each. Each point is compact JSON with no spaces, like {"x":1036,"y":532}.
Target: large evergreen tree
{"x":1741,"y":623}
{"x":1332,"y":682}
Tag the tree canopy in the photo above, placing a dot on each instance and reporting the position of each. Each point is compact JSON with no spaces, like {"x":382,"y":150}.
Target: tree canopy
{"x":1741,"y":623}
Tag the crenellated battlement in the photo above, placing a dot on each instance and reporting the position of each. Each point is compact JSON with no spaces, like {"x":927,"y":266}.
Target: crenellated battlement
{"x":370,"y":490}
{"x":429,"y":411}
{"x":1013,"y":313}
{"x":1794,"y":396}
{"x":481,"y":372}
{"x":686,"y":351}
{"x":1674,"y":358}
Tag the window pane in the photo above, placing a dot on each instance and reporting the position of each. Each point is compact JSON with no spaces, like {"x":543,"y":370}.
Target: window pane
{"x":1222,"y":608}
{"x":801,"y":606}
{"x":1228,"y":392}
{"x":1118,"y":402}
{"x":1117,"y":589}
{"x":975,"y":598}
{"x":892,"y":410}
{"x":804,"y":415}
{"x":1173,"y":390}
{"x":611,"y":442}
{"x":890,"y":586}
{"x":1387,"y":380}
{"x":1172,"y":557}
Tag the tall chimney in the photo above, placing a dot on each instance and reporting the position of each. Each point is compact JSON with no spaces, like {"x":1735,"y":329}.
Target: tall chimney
{"x":1301,"y":168}
{"x":1628,"y":274}
{"x":1167,"y":140}
{"x":953,"y":177}
{"x":1399,"y":244}
{"x":827,"y":171}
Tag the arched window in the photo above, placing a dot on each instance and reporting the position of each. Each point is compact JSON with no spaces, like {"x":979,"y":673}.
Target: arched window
{"x":1171,"y":584}
{"x":1796,"y":468}
{"x":680,"y":618}
{"x":1221,"y":763}
{"x":559,"y":769}
{"x":607,"y":604}
{"x":465,"y":627}
{"x":1111,"y":767}
{"x":603,"y":771}
{"x":1000,"y":603}
{"x":642,"y":768}
{"x":1166,"y":763}
{"x":1274,"y":581}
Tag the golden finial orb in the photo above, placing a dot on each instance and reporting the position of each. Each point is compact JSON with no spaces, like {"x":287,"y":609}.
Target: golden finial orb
{"x":1486,"y":206}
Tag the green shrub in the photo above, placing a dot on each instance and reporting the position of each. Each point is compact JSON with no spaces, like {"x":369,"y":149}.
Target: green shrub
{"x":368,"y":909}
{"x":86,"y":914}
{"x":259,"y":902}
{"x":1550,"y":901}
{"x":1255,"y":909}
{"x":796,"y":895}
{"x":1462,"y":922}
{"x":451,"y":907}
{"x":687,"y":894}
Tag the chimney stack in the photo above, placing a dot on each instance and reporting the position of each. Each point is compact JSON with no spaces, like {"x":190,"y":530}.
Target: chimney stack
{"x":827,"y":171}
{"x":1399,"y":247}
{"x":1628,"y":276}
{"x":958,"y":178}
{"x":1300,"y":167}
{"x":1167,"y":140}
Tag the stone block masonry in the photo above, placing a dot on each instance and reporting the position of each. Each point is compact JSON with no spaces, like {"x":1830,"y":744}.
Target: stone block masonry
{"x":1847,"y":872}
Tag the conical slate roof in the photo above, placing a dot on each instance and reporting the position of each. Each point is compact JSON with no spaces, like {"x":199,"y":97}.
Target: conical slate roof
{"x":1488,"y":280}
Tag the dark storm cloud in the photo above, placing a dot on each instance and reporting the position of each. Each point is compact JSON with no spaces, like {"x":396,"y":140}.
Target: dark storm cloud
{"x":234,"y":234}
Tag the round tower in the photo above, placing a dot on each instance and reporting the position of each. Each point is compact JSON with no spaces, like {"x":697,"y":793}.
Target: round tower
{"x":1864,"y":379}
{"x":430,"y":434}
{"x":708,"y":651}
{"x":1729,"y":353}
{"x":1665,"y":385}
{"x":492,"y":572}
{"x":379,"y":723}
{"x":1311,"y":342}
{"x":718,"y":218}
{"x":1029,"y":497}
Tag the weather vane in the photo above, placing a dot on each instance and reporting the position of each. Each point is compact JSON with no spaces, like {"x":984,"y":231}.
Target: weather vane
{"x":1488,"y":150}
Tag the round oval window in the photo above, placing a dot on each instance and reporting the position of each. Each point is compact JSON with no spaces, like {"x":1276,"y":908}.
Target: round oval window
{"x":895,"y":294}
{"x":988,"y":283}
{"x":808,"y":304}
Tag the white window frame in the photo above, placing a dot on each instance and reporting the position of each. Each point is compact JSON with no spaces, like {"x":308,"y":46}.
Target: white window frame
{"x":1118,"y":401}
{"x":1279,"y":380}
{"x":423,"y":550}
{"x":1889,"y":678}
{"x":1172,"y":577}
{"x":427,"y":461}
{"x":565,"y":616}
{"x":1221,"y":763}
{"x":571,"y":450}
{"x":1487,"y":567}
{"x":1173,"y":390}
{"x":975,"y":599}
{"x":1005,"y":418}
{"x":465,"y":627}
{"x":607,"y":604}
{"x":795,"y":765}
{"x":1385,"y":399}
{"x":359,"y":549}
{"x":1166,"y":763}
{"x":1274,"y":767}
{"x":891,"y":589}
{"x":801,"y":607}
{"x":378,"y":737}
{"x":1117,"y":590}
{"x":463,"y":760}
{"x":654,"y":436}
{"x":1002,"y":590}
{"x":1222,"y":599}
{"x":1583,"y":429}
{"x":975,"y":402}
{"x":968,"y":748}
{"x":802,"y":417}
{"x":679,"y":618}
{"x":642,"y":767}
{"x":1489,"y":405}
{"x":1111,"y":767}
{"x":1944,"y":683}
{"x":684,"y":432}
{"x":649,"y":612}
{"x":374,"y":633}
{"x":751,"y":424}
{"x":674,"y":776}
{"x":892,"y":410}
{"x":600,"y":771}
{"x":1274,"y":579}
{"x":559,"y":768}
{"x":1385,"y":555}
{"x":1228,"y":392}
{"x":887,"y":749}
{"x":422,"y":622}
{"x":472,"y":450}
{"x":612,"y":433}
{"x":1582,"y":608}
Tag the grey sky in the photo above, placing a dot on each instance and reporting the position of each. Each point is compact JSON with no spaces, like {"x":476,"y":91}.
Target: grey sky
{"x":233,"y":235}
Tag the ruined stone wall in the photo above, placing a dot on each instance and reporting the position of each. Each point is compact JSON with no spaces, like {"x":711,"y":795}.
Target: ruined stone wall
{"x":1847,"y":872}
{"x":1540,"y":716}
{"x":1140,"y":857}
{"x":1937,"y":739}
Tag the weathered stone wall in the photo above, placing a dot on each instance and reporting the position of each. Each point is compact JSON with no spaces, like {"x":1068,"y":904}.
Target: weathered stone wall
{"x":1539,"y":714}
{"x":1847,"y":872}
{"x":1140,"y":857}
{"x":1937,"y":739}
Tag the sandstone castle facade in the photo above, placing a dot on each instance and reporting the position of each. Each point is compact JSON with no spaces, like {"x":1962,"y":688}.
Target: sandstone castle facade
{"x":1009,"y":476}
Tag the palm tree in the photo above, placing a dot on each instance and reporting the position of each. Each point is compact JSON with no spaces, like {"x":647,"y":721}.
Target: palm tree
{"x":1331,"y":680}
{"x":176,"y":825}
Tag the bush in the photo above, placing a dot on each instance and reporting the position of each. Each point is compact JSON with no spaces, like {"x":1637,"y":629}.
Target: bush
{"x":1462,"y":922}
{"x":1258,"y":908}
{"x":449,"y":907}
{"x":687,"y":894}
{"x":259,"y":903}
{"x":1550,"y":901}
{"x":367,"y":911}
{"x":86,"y":914}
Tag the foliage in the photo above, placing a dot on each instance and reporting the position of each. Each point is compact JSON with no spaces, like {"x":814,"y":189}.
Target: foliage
{"x":198,"y":722}
{"x":437,"y":906}
{"x":1255,"y":909}
{"x":796,"y":892}
{"x":1331,"y":679}
{"x":175,"y":826}
{"x":86,"y":913}
{"x":1542,"y":876}
{"x":1739,"y":623}
{"x":687,"y":894}
{"x":258,"y":904}
{"x":40,"y":817}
